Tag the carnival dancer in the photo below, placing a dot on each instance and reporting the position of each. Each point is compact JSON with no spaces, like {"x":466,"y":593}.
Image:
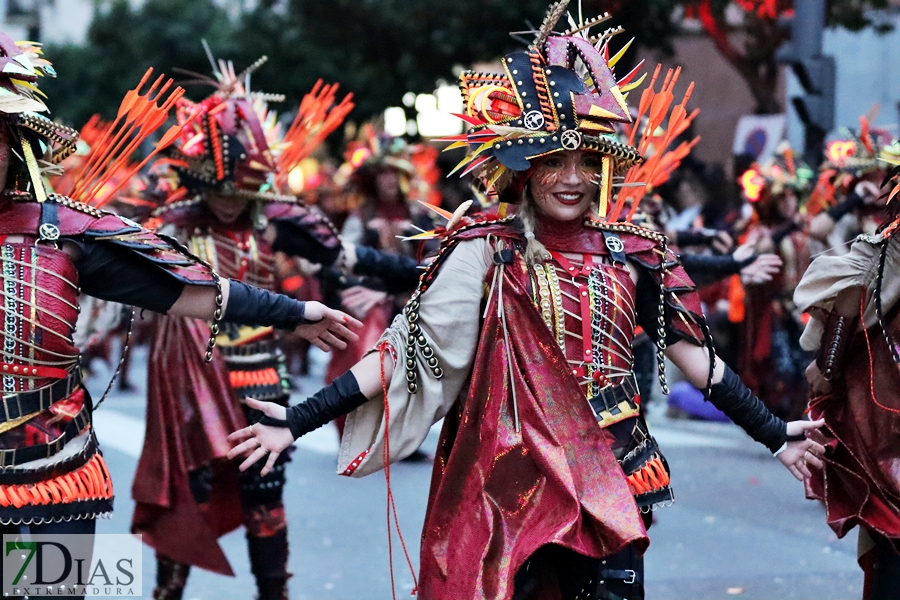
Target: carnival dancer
{"x":223,"y":209}
{"x":849,"y":183}
{"x":519,"y":336}
{"x":771,"y":361}
{"x":53,"y":477}
{"x":379,"y":183}
{"x":855,"y":387}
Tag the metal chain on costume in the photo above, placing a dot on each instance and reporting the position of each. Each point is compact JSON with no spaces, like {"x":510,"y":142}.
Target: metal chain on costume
{"x":879,"y":312}
{"x":707,"y":336}
{"x":217,"y":318}
{"x":661,"y":324}
{"x":115,"y":375}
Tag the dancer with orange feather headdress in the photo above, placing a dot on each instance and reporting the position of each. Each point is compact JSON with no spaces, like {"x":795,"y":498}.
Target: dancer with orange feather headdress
{"x":519,"y":336}
{"x":222,"y":180}
{"x":54,"y":479}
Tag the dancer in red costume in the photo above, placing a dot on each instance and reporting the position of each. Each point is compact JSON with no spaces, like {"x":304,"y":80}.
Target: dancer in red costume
{"x":771,"y":360}
{"x":854,"y":382}
{"x":187,"y":494}
{"x":382,"y":215}
{"x":54,"y":479}
{"x":519,"y":336}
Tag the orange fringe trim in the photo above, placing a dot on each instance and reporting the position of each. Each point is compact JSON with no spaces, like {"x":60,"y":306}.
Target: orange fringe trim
{"x":241,"y":379}
{"x":652,"y":477}
{"x":90,"y":482}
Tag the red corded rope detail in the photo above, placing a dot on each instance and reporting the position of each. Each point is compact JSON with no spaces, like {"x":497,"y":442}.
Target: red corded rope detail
{"x":383,"y":348}
{"x":537,"y":69}
{"x":216,"y":144}
{"x":90,"y":482}
{"x":862,"y":309}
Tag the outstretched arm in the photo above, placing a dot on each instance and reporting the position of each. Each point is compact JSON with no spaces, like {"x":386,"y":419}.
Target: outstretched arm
{"x":119,"y":275}
{"x":281,"y":426}
{"x":787,"y":440}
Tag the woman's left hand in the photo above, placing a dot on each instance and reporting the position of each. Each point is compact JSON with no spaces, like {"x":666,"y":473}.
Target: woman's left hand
{"x":331,"y":328}
{"x":256,"y":441}
{"x":799,"y":455}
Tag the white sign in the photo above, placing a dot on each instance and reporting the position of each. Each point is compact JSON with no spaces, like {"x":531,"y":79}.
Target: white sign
{"x":759,"y":135}
{"x":73,"y":565}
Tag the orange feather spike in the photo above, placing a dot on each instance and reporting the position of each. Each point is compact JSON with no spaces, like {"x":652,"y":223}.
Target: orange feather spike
{"x":317,"y":117}
{"x":139,"y":115}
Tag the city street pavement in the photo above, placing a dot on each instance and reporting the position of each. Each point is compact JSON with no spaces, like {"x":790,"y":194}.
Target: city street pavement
{"x":740,"y":527}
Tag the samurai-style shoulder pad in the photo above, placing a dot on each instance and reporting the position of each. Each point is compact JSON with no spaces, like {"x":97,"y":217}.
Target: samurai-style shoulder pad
{"x":161,"y":250}
{"x":285,"y":210}
{"x":80,"y":221}
{"x":469,"y":229}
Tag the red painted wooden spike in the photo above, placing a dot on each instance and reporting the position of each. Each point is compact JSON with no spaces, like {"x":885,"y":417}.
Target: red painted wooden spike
{"x":627,"y":79}
{"x":470,"y":120}
{"x":475,"y":164}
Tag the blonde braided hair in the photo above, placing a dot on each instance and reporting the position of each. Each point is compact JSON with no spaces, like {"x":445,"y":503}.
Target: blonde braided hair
{"x":535,"y":252}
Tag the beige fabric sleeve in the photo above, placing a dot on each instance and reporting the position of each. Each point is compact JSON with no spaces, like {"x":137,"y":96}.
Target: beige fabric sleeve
{"x":449,"y":316}
{"x":828,"y":276}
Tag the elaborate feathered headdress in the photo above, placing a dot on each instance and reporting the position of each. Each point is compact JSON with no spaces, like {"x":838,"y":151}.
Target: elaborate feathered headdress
{"x":40,"y":142}
{"x":561,"y":93}
{"x":774,"y":176}
{"x":227,"y":144}
{"x":858,"y":152}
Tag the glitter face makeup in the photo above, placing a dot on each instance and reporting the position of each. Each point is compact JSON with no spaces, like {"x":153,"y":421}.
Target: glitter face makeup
{"x":564,"y":184}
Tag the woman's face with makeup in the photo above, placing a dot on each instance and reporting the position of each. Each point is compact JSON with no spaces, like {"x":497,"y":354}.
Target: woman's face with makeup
{"x":564,"y":184}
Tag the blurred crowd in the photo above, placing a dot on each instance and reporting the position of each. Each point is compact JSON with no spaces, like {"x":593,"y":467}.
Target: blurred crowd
{"x":746,"y":241}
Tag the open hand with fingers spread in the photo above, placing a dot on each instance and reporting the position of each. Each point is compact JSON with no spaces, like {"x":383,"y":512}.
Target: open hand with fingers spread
{"x":259,"y":439}
{"x":327,"y":328}
{"x":280,"y":426}
{"x":799,"y":455}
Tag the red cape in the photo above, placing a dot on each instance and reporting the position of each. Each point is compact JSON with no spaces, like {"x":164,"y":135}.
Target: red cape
{"x":497,"y":495}
{"x":860,"y":483}
{"x":191,"y":408}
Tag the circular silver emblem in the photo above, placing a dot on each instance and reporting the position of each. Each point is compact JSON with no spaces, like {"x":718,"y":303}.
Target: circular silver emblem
{"x":570,"y":140}
{"x":49,"y":232}
{"x":614,"y":244}
{"x":534,"y":120}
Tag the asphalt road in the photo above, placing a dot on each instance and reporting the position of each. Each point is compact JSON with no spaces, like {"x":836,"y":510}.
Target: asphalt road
{"x":740,"y":526}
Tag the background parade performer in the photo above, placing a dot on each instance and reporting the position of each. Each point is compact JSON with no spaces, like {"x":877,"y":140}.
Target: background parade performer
{"x":854,"y":384}
{"x":771,"y":360}
{"x":519,"y":336}
{"x":222,"y":206}
{"x":54,"y":478}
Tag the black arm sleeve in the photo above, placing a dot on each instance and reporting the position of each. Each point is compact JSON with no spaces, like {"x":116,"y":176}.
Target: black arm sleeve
{"x":693,"y":237}
{"x":747,"y":411}
{"x":334,"y":400}
{"x":292,"y":239}
{"x":116,"y":274}
{"x":248,"y":305}
{"x":399,"y":273}
{"x":705,"y":269}
{"x":852,"y":202}
{"x":647,"y":308}
{"x":781,"y":232}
